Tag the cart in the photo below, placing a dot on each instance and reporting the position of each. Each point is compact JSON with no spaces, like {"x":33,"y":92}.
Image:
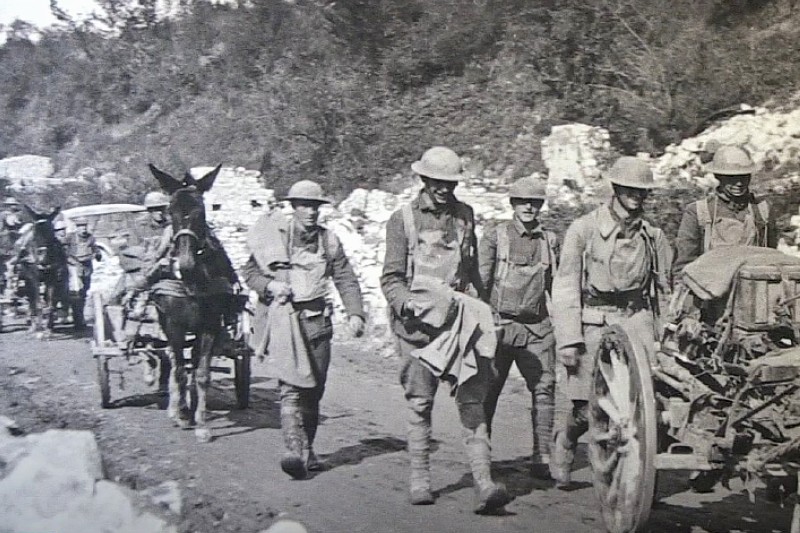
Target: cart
{"x":141,"y":341}
{"x":720,"y":400}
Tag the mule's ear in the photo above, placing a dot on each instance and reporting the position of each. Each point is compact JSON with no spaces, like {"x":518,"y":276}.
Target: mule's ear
{"x":53,"y":213}
{"x":167,"y":182}
{"x":31,"y":213}
{"x":206,"y":182}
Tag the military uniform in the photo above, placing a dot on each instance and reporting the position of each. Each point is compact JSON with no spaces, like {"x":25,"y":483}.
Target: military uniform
{"x":81,"y":250}
{"x":445,"y":250}
{"x":516,"y":266}
{"x":315,"y":257}
{"x":611,"y":269}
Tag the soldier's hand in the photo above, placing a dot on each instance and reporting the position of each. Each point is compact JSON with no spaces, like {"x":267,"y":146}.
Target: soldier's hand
{"x":569,"y":355}
{"x":280,"y":290}
{"x":356,"y":325}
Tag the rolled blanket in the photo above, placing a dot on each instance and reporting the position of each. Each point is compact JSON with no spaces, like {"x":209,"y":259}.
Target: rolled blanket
{"x":267,"y":240}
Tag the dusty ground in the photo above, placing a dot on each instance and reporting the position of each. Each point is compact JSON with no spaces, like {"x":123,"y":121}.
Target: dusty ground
{"x":235,"y":483}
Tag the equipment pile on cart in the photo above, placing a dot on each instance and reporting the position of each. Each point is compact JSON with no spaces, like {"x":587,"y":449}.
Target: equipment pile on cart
{"x":722,"y":398}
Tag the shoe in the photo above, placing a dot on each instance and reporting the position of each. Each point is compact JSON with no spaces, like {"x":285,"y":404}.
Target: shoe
{"x":541,"y":471}
{"x":492,"y":498}
{"x":313,"y":464}
{"x":294,"y":465}
{"x":422,"y":496}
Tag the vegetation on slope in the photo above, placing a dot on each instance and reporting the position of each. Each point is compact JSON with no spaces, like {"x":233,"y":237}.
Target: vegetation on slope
{"x":354,"y":90}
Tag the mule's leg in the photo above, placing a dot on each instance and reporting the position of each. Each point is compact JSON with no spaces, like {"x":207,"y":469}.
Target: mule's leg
{"x":202,"y":374}
{"x":176,"y":409}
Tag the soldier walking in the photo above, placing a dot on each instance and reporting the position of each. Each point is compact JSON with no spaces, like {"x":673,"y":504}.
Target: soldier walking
{"x":517,"y":262}
{"x":434,"y":237}
{"x":291,"y":264}
{"x":613,"y":265}
{"x":81,"y":250}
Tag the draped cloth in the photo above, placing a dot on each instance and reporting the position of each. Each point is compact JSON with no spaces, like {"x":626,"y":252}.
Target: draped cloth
{"x":466,"y":331}
{"x":711,"y":276}
{"x":283,"y":337}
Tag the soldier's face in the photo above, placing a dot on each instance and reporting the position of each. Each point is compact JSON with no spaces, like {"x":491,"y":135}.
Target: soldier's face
{"x":159,"y":215}
{"x":306,"y":212}
{"x":526,"y":209}
{"x":734,"y":186}
{"x":631,"y":198}
{"x":440,"y":191}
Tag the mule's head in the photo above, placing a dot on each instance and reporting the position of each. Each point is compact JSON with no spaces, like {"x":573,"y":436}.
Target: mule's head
{"x":47,"y":248}
{"x":188,"y":215}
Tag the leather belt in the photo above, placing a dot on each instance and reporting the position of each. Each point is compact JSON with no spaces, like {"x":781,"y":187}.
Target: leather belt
{"x":631,"y":300}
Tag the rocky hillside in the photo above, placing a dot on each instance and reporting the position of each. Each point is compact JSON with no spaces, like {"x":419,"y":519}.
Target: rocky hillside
{"x":353,"y":90}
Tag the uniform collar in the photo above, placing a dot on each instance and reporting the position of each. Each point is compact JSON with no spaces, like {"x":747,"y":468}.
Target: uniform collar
{"x":520,"y":227}
{"x":303,"y":234}
{"x":610,"y":219}
{"x":426,"y":204}
{"x":734,"y":204}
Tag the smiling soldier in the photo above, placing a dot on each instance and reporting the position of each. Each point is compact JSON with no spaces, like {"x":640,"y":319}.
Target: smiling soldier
{"x":730,"y":216}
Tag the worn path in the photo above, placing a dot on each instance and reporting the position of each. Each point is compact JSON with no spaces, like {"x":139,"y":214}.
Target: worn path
{"x":235,"y":483}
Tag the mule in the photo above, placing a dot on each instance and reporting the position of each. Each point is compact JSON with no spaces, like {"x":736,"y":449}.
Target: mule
{"x":200,"y":302}
{"x":42,"y":267}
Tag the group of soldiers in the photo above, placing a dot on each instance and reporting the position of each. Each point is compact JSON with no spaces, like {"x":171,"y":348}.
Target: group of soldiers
{"x":79,"y":248}
{"x":550,"y":302}
{"x":153,"y":234}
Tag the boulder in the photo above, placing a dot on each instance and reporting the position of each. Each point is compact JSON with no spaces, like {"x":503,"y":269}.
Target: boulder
{"x":26,"y":167}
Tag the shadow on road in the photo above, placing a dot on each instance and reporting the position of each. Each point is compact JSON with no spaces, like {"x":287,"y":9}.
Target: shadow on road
{"x":352,"y":455}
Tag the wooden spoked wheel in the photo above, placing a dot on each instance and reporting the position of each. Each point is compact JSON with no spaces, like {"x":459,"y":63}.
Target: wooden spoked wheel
{"x":622,"y":433}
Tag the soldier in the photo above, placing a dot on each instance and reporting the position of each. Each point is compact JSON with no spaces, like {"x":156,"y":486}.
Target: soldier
{"x":730,"y":216}
{"x":517,"y":262}
{"x":155,"y":228}
{"x":434,"y":237}
{"x":11,"y":219}
{"x":290,"y":267}
{"x":81,"y":249}
{"x":613,"y":265}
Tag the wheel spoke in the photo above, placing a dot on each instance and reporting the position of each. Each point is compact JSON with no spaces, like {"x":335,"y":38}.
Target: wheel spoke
{"x":608,"y":407}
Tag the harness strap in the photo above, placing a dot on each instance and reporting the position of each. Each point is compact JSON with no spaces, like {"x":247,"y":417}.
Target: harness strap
{"x":412,"y":238}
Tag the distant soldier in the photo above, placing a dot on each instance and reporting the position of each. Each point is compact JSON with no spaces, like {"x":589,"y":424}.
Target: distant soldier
{"x":612,"y":268}
{"x":81,"y":250}
{"x":730,"y":216}
{"x":517,"y":262}
{"x":11,"y":219}
{"x":11,"y":223}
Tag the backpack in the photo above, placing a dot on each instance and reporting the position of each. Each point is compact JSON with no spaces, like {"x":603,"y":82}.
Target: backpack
{"x":412,"y":237}
{"x":704,"y":219}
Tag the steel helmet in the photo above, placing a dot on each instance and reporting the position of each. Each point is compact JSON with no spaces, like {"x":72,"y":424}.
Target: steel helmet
{"x":155,"y":199}
{"x":11,"y":201}
{"x":59,"y":225}
{"x":307,"y":190}
{"x":631,"y":171}
{"x":529,"y":189}
{"x":81,"y":221}
{"x":439,"y":163}
{"x":731,"y":161}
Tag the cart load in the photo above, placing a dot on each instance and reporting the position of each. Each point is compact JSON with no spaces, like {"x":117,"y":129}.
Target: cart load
{"x":722,"y":397}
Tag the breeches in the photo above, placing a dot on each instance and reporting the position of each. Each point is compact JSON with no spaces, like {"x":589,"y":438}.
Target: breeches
{"x":420,"y":386}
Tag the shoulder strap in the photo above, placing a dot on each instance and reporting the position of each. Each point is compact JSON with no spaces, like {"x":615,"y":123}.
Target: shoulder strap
{"x":410,"y":227}
{"x":329,"y":243}
{"x":411,"y":238}
{"x":704,"y":219}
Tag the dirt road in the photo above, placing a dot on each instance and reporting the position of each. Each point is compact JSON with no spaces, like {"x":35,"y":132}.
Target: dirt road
{"x":234,"y":484}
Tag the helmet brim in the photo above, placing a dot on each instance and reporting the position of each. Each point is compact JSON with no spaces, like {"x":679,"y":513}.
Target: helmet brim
{"x":308,"y":198}
{"x":424,"y":171}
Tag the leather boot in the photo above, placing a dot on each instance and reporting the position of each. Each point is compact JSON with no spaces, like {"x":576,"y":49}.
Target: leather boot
{"x":561,"y":460}
{"x":542,"y":422}
{"x":419,"y":450}
{"x":491,"y":496}
{"x":294,"y":437}
{"x":310,"y":414}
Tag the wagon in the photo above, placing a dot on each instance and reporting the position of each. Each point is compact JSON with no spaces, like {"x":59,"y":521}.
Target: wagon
{"x":141,"y":341}
{"x":720,"y":400}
